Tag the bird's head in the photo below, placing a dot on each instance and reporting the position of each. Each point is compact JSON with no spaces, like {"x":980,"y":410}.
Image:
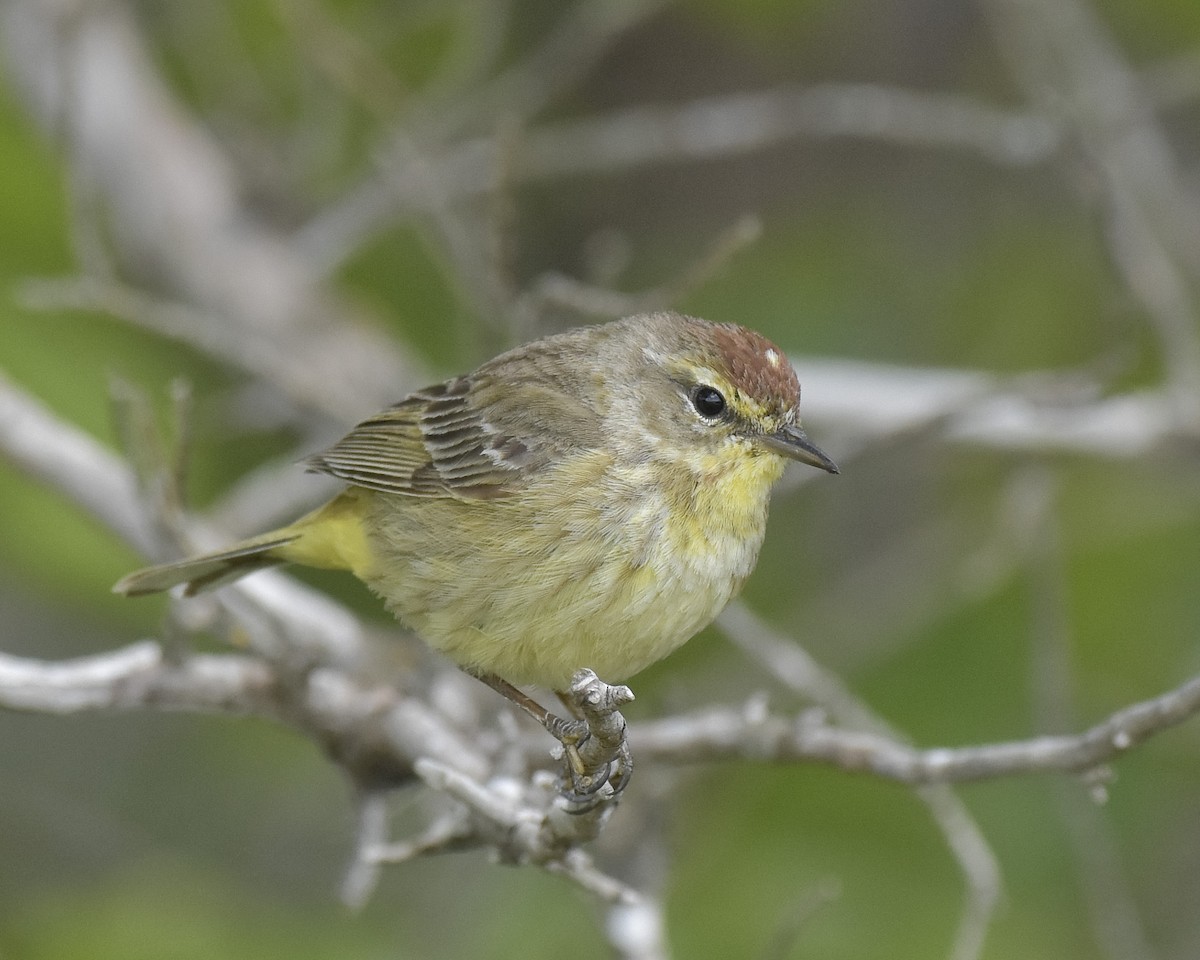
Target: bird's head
{"x":721,"y":390}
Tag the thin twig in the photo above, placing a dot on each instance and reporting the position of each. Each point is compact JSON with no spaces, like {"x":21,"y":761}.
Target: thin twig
{"x":229,"y":683}
{"x":74,"y":463}
{"x":1118,"y":930}
{"x":172,"y":198}
{"x":724,"y":733}
{"x":872,"y":402}
{"x":449,"y":832}
{"x":589,"y":300}
{"x":68,"y":460}
{"x":362,"y":875}
{"x":569,"y":52}
{"x":1064,"y":57}
{"x":136,"y":677}
{"x":271,"y":358}
{"x":799,"y":914}
{"x":791,"y":664}
{"x":531,"y":824}
{"x":369,"y":728}
{"x":652,"y":135}
{"x":342,"y":56}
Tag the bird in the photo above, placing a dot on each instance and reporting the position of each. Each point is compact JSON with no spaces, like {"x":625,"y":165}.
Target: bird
{"x":592,"y":499}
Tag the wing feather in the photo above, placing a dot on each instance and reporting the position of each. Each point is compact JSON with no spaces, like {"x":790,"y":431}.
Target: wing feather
{"x":434,"y":443}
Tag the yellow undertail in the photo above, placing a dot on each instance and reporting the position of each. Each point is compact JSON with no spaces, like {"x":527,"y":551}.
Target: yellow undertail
{"x":331,"y":537}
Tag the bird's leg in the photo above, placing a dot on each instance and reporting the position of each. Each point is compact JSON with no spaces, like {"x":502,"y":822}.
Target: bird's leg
{"x":565,"y":731}
{"x":570,"y":733}
{"x":578,"y":732}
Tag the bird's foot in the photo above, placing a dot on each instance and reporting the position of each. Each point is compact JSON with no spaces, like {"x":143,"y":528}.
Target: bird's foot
{"x":594,"y":744}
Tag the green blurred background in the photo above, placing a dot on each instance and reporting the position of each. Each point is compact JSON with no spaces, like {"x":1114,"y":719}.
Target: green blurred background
{"x":152,"y":836}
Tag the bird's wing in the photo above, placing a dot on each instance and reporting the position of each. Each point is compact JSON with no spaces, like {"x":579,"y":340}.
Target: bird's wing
{"x":434,"y":443}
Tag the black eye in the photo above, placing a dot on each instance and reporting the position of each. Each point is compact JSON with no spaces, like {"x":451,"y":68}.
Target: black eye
{"x":708,"y":401}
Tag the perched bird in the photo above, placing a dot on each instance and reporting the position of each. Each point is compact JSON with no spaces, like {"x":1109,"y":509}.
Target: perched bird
{"x":592,"y":499}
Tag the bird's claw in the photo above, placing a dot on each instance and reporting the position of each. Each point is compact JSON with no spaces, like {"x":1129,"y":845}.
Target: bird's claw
{"x":582,"y":792}
{"x":593,"y":741}
{"x":584,"y":788}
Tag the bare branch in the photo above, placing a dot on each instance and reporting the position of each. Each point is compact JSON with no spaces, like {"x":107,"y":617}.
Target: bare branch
{"x":373,"y":731}
{"x":174,"y":199}
{"x":725,"y":733}
{"x":451,"y":831}
{"x":746,"y":122}
{"x":800,"y":913}
{"x":263,"y":354}
{"x":577,"y":865}
{"x":377,"y":735}
{"x":1041,"y":413}
{"x":572,"y":48}
{"x":70,"y":461}
{"x":532,"y":824}
{"x":74,"y":463}
{"x":342,"y":56}
{"x":1063,"y":56}
{"x":457,"y":230}
{"x":710,"y":127}
{"x":595,"y":301}
{"x":137,"y":677}
{"x":362,"y":875}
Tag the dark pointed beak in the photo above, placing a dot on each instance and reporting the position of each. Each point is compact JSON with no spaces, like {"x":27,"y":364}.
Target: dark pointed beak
{"x":791,"y":442}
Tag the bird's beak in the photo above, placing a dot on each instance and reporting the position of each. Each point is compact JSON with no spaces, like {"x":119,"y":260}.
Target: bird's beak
{"x":791,"y":442}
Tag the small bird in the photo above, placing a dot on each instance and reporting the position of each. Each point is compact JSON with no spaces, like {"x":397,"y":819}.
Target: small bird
{"x":591,"y":499}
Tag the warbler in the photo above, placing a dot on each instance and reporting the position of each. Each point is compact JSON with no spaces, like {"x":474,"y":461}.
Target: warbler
{"x":591,"y":499}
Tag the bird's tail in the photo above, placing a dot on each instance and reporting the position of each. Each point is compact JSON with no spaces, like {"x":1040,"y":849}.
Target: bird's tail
{"x":209,"y":570}
{"x":331,"y":537}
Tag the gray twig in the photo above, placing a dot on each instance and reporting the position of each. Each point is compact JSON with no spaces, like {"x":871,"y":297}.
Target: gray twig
{"x":723,"y":733}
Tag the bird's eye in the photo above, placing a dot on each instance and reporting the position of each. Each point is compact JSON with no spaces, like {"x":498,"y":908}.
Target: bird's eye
{"x":708,"y":401}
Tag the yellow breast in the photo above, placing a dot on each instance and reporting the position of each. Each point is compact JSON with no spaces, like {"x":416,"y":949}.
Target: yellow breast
{"x":601,"y":568}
